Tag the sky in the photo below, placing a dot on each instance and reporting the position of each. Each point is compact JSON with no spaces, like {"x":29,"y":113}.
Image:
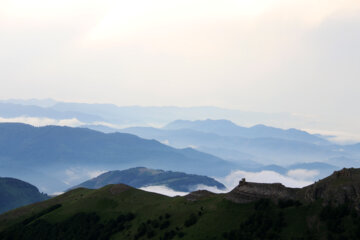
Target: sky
{"x":297,"y":56}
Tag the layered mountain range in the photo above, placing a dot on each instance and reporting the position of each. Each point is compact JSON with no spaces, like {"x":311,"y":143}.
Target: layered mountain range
{"x":261,"y":144}
{"x":68,"y":156}
{"x":131,"y":115}
{"x":56,"y":158}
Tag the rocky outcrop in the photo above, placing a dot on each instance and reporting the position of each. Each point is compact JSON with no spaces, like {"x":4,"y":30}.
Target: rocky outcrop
{"x":197,"y":195}
{"x":248,"y":192}
{"x":342,"y":187}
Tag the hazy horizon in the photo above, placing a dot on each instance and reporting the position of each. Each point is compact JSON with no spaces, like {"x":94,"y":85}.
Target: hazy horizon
{"x":338,"y":133}
{"x":297,"y":57}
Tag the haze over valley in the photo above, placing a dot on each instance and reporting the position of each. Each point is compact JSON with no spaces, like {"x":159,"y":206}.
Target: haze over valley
{"x":86,"y":140}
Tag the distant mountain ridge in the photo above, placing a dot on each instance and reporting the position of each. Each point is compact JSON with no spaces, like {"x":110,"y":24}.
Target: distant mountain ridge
{"x":138,"y":115}
{"x":57,"y":151}
{"x":142,"y":177}
{"x":12,"y":110}
{"x":260,"y":144}
{"x":15,"y":193}
{"x":228,"y":128}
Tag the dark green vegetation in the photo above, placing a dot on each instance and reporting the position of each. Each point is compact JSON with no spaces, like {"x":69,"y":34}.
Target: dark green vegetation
{"x":140,"y":177}
{"x":16,"y":193}
{"x":123,"y":212}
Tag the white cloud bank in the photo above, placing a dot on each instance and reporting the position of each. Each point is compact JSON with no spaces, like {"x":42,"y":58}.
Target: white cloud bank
{"x":55,"y":194}
{"x":296,"y":178}
{"x":40,"y":122}
{"x":163,"y":190}
{"x":69,"y":122}
{"x":339,"y":137}
{"x":76,"y":175}
{"x":302,"y":174}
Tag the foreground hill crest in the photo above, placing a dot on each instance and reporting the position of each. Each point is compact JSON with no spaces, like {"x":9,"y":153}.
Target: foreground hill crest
{"x":342,"y":187}
{"x":249,"y":211}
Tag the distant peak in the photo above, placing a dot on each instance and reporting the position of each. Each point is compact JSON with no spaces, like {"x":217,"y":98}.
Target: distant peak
{"x":178,"y":124}
{"x":260,"y":126}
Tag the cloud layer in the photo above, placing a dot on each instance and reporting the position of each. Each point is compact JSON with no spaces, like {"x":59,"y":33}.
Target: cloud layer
{"x":163,"y":190}
{"x":75,"y":175}
{"x":40,"y":122}
{"x":295,"y":178}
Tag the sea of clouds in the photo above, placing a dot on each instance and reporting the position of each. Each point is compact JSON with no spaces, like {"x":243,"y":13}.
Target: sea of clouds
{"x":294,"y":178}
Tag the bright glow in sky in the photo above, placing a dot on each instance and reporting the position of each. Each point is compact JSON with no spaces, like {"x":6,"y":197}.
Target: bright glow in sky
{"x":299,"y":56}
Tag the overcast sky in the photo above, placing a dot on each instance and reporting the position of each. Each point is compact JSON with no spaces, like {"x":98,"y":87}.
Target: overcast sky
{"x":298,"y":56}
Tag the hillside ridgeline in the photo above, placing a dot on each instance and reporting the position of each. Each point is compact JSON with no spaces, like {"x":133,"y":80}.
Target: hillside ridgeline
{"x":250,"y":211}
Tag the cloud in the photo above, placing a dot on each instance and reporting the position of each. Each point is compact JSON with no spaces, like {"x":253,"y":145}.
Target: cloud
{"x":302,"y":174}
{"x":72,"y":175}
{"x":339,"y":137}
{"x":111,"y":125}
{"x":295,"y":178}
{"x":75,"y":175}
{"x":40,"y":122}
{"x":166,"y":142}
{"x":73,"y":122}
{"x":56,"y":193}
{"x":70,"y":122}
{"x":96,"y":173}
{"x":193,"y":146}
{"x":163,"y":190}
{"x":210,"y":189}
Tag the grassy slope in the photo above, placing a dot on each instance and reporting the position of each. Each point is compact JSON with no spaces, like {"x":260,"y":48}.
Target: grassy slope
{"x":214,"y":214}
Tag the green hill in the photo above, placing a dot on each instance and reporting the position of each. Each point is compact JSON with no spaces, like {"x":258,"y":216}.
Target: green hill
{"x":16,"y":193}
{"x":141,"y":177}
{"x":123,"y":212}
